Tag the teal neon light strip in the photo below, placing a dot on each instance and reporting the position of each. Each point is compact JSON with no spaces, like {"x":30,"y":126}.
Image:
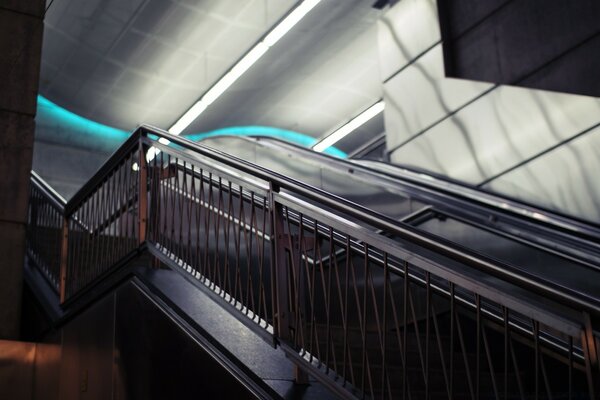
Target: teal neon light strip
{"x":251,"y":130}
{"x":50,"y":113}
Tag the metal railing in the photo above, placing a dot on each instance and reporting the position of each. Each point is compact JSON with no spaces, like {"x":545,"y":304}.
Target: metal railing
{"x":413,"y":317}
{"x":44,"y":229}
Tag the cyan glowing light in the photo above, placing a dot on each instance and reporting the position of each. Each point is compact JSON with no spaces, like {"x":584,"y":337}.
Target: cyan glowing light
{"x":50,"y":114}
{"x":252,"y":130}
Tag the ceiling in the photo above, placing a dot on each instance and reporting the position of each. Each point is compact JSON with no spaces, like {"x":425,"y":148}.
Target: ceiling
{"x":127,"y":62}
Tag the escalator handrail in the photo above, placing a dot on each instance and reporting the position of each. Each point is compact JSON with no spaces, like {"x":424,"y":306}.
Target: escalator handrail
{"x":456,"y":189}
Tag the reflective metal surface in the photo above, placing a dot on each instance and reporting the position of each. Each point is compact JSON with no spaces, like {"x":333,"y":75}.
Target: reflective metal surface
{"x":533,"y":260}
{"x":498,"y":202}
{"x":565,"y":179}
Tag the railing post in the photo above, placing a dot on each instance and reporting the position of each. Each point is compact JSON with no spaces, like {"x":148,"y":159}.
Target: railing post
{"x":142,"y":194}
{"x":281,"y":307}
{"x":591,"y":355}
{"x":64,"y":248}
{"x":282,"y":262}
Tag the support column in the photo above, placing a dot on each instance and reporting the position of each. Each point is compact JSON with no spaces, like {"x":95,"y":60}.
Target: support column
{"x":21,"y":30}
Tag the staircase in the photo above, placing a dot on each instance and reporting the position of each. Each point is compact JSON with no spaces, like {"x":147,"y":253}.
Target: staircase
{"x":368,"y":306}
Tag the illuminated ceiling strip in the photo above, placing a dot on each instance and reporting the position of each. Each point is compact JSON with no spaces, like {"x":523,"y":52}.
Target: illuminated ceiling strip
{"x":351,"y":126}
{"x":243,"y":65}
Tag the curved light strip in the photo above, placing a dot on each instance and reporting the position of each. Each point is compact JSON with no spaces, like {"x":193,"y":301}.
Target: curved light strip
{"x":52,"y":114}
{"x":254,"y":130}
{"x":49,"y":112}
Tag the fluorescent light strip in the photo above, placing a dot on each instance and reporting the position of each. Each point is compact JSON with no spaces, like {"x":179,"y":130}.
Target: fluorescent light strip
{"x":288,"y":22}
{"x":242,"y":66}
{"x":352,"y":125}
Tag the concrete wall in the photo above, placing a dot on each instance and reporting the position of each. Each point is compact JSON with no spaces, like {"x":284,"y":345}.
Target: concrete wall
{"x":537,"y":146}
{"x":550,"y":45}
{"x":21,"y":30}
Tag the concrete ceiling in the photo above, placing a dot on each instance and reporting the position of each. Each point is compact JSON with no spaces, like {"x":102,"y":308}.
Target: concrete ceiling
{"x":126,"y":62}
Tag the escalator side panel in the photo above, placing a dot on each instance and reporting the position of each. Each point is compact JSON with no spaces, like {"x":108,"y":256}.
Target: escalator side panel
{"x":128,"y":345}
{"x":158,"y":360}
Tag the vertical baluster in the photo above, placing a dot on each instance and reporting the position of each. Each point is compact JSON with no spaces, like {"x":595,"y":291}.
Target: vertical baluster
{"x":570,"y":367}
{"x":330,"y":344}
{"x":363,"y":325}
{"x":124,"y":208}
{"x":452,"y":327}
{"x":386,"y":278}
{"x":142,"y":193}
{"x":181,"y":191}
{"x":266,"y":222}
{"x":427,"y":328}
{"x":63,"y":259}
{"x":297,"y":278}
{"x":104,"y":215}
{"x":347,"y":353}
{"x":478,"y":348}
{"x":405,"y":331}
{"x":279,"y":269}
{"x":192,"y":198}
{"x":83,"y":268}
{"x":590,"y":355}
{"x":506,"y":361}
{"x":217,"y":229}
{"x":113,"y":214}
{"x":536,"y":338}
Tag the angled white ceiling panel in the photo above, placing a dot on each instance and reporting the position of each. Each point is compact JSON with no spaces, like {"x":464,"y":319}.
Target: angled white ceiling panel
{"x":138,"y":53}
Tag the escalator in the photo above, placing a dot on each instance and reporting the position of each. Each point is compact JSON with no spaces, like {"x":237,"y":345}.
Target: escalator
{"x":543,"y":244}
{"x":376,"y":283}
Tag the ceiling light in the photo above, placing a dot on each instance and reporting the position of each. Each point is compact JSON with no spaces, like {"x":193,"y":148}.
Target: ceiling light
{"x":348,"y":128}
{"x":288,"y":22}
{"x":238,"y":70}
{"x":187,"y":118}
{"x":242,"y":65}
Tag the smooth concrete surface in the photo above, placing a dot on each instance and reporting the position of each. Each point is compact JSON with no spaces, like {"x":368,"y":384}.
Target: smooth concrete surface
{"x":46,"y":373}
{"x":21,"y":30}
{"x":16,"y":149}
